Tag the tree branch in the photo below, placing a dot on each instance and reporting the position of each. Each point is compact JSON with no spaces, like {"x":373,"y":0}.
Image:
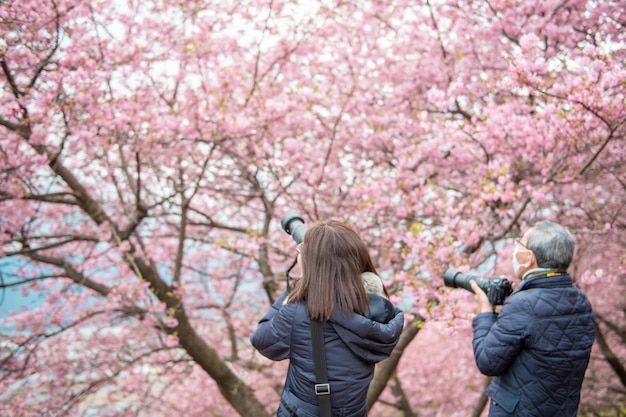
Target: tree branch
{"x":71,"y":273}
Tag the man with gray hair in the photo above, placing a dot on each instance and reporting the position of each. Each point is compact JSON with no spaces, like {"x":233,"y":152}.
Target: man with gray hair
{"x":538,"y":346}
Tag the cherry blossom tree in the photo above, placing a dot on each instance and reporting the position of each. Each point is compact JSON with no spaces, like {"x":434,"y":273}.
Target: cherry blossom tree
{"x":149,"y":150}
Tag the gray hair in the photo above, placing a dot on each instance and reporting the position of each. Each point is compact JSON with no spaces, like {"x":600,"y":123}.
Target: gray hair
{"x":552,"y":244}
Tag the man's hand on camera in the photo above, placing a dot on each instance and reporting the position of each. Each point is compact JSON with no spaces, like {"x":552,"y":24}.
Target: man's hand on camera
{"x":481,"y":298}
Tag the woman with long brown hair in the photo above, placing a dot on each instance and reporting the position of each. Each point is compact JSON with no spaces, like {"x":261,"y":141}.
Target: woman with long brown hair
{"x":359,"y":328}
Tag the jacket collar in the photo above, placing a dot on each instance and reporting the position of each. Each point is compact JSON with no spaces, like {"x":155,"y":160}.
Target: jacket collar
{"x":547,"y":278}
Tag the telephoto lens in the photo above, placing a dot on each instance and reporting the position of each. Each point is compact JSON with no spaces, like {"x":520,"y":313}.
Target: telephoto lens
{"x":497,"y":288}
{"x":293,"y":224}
{"x":454,"y":279}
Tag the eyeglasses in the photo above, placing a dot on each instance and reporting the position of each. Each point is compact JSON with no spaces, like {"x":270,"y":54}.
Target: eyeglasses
{"x":519,"y":242}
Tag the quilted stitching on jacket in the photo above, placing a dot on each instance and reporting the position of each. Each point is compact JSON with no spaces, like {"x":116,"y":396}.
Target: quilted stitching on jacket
{"x":538,"y":348}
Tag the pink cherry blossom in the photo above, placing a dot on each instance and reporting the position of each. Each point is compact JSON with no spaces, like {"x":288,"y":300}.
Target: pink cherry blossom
{"x":149,"y":150}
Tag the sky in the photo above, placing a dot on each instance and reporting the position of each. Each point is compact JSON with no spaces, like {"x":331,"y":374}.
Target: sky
{"x":11,"y":298}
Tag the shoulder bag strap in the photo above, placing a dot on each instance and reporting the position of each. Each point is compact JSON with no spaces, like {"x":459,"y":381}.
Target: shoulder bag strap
{"x":322,"y":387}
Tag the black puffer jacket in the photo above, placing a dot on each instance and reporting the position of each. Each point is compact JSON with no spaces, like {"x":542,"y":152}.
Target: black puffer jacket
{"x":353,"y":346}
{"x":538,"y":348}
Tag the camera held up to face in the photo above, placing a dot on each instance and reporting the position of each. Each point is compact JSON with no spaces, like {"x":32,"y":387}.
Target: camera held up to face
{"x":293,"y":224}
{"x":496,"y":288}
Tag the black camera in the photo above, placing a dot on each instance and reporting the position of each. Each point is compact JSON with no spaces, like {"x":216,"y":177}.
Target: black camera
{"x":496,"y":288}
{"x":294,"y":225}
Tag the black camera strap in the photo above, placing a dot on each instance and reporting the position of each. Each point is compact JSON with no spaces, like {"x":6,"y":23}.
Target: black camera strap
{"x":287,"y":278}
{"x":322,"y":387}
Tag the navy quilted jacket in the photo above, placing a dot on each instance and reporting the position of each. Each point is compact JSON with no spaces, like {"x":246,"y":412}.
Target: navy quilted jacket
{"x":353,"y":346}
{"x":537,"y":348}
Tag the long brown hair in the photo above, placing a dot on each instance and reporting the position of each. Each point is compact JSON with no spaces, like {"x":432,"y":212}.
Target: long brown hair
{"x":333,"y":256}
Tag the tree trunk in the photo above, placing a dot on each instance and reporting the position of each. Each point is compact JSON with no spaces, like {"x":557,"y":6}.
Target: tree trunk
{"x":482,"y":401}
{"x":386,"y":368}
{"x":610,"y":357}
{"x":234,"y":390}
